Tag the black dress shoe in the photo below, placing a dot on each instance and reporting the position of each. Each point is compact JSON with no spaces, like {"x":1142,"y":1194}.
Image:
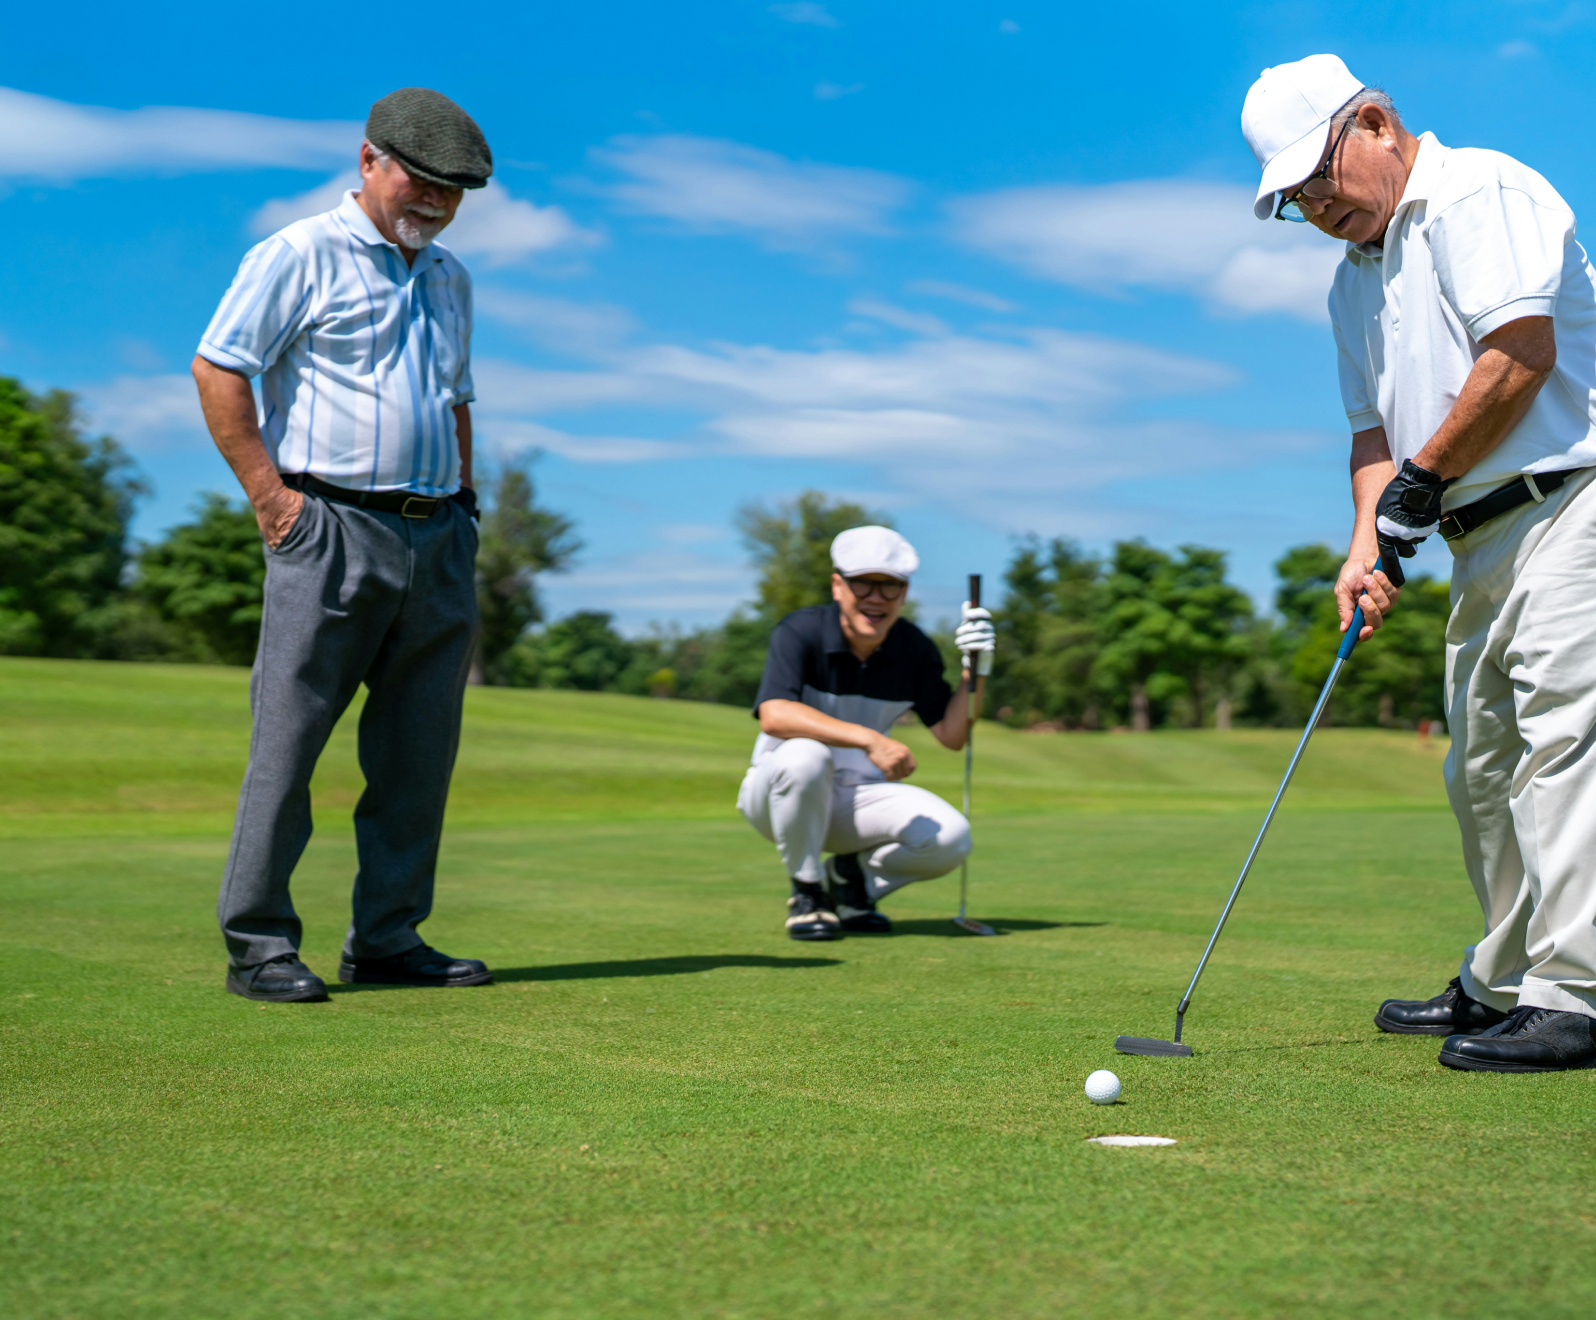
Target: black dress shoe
{"x":857,"y":913}
{"x":1530,"y":1040}
{"x":1450,"y":1013}
{"x":422,"y":965}
{"x":280,"y":980}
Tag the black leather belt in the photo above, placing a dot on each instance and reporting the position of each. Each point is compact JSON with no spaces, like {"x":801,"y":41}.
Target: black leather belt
{"x":401,"y":502}
{"x":1531,"y":486}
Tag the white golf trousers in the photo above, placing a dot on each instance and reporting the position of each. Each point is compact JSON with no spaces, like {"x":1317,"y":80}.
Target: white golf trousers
{"x":901,"y":833}
{"x":1521,"y":772}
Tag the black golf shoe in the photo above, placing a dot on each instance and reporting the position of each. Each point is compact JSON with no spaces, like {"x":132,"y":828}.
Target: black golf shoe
{"x":845,"y":882}
{"x":1530,"y":1040}
{"x":811,"y":915}
{"x":1450,"y":1013}
{"x":280,"y":980}
{"x":422,"y":965}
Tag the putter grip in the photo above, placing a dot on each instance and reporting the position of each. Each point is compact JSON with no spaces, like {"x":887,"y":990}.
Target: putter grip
{"x":1350,"y":638}
{"x":975,"y":589}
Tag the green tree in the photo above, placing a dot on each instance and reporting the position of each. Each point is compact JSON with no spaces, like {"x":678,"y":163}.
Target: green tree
{"x":518,"y":541}
{"x":791,"y":548}
{"x":581,"y":651}
{"x":1172,"y":631}
{"x":1048,"y":636}
{"x":65,"y":504}
{"x":206,"y":579}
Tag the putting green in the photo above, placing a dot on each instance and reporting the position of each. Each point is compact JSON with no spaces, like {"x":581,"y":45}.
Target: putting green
{"x":664,"y":1108}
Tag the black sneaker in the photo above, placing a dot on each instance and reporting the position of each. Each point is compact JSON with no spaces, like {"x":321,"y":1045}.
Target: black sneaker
{"x":845,"y":882}
{"x":280,"y":980}
{"x":1529,"y":1040}
{"x":1450,"y":1013}
{"x":811,"y":915}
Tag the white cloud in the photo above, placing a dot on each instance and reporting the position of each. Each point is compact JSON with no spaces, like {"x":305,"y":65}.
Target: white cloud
{"x":1176,"y":234}
{"x":1018,"y":431}
{"x":147,"y":414}
{"x":490,"y":224}
{"x":583,"y":329}
{"x":49,"y":139}
{"x":961,"y":293}
{"x":641,"y":586}
{"x":690,"y":533}
{"x":1517,"y":50}
{"x":917,"y":323}
{"x":811,"y":14}
{"x":828,"y":91}
{"x":712,"y":186}
{"x":1008,"y":27}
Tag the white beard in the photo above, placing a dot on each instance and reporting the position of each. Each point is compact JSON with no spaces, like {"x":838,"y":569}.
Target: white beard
{"x":413,"y":235}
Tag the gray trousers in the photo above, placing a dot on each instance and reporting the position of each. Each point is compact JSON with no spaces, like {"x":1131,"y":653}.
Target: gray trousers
{"x":353,"y":595}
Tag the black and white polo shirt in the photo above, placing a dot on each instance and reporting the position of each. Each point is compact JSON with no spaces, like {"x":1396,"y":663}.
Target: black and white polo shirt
{"x":809,"y":661}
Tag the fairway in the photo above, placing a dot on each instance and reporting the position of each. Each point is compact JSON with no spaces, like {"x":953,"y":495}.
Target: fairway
{"x":663,"y":1107}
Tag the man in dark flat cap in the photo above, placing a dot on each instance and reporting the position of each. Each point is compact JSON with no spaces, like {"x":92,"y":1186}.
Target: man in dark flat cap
{"x":358,"y":465}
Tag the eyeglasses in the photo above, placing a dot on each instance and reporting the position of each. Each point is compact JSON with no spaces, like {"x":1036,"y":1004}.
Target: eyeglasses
{"x":862,"y":587}
{"x":1317,"y":185}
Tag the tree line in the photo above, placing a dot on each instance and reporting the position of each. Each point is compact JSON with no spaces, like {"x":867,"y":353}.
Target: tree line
{"x":1138,"y":638}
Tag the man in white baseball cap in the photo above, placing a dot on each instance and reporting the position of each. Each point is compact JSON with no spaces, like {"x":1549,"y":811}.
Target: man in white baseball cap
{"x":1477,"y":421}
{"x":826,"y":774}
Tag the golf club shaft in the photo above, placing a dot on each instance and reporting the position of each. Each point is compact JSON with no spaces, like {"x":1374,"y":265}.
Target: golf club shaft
{"x":1348,"y":641}
{"x":970,"y":660}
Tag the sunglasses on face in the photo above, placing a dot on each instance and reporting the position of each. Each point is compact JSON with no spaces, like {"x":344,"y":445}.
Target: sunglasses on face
{"x":863,"y":587}
{"x":1317,"y":185}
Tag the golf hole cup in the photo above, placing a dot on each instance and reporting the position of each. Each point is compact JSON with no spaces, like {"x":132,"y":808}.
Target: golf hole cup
{"x":1102,"y":1087}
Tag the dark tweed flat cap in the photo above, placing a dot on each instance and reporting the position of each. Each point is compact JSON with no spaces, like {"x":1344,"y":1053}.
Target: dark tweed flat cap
{"x":431,"y":137}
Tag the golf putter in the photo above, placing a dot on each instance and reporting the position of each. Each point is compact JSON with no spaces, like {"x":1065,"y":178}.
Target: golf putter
{"x":1175,"y":1048}
{"x":964,"y":921}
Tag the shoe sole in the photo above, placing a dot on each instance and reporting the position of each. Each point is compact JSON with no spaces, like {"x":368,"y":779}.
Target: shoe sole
{"x":354,"y":976}
{"x":1463,"y":1063}
{"x":1403,"y":1029}
{"x":237,"y":987}
{"x":813,"y":934}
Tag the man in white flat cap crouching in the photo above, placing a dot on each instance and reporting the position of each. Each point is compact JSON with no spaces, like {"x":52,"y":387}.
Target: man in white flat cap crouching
{"x":826,"y":775}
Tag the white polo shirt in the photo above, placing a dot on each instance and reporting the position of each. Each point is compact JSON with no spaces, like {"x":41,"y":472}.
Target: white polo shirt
{"x":362,"y":359}
{"x":1477,"y":240}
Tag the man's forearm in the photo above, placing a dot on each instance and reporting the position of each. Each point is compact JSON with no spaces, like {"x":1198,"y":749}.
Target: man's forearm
{"x":954,"y":727}
{"x":1372,"y":470}
{"x":1517,"y":360}
{"x":228,"y":403}
{"x":462,"y":436}
{"x":792,"y":719}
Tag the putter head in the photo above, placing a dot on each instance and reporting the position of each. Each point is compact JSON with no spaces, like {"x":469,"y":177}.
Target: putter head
{"x":972,"y":926}
{"x":1158,"y":1049}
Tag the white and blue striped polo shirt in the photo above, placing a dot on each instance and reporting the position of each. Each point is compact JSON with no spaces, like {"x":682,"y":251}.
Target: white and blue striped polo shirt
{"x":362,"y":359}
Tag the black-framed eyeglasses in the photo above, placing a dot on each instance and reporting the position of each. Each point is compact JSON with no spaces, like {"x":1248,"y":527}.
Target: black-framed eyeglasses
{"x":1317,"y":185}
{"x":889,"y":590}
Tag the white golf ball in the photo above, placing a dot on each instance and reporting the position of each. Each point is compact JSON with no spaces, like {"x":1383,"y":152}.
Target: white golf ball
{"x":1102,"y":1087}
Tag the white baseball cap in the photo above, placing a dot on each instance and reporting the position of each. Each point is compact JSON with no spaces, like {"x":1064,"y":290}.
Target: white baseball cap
{"x":1286,"y":120}
{"x":873,"y":550}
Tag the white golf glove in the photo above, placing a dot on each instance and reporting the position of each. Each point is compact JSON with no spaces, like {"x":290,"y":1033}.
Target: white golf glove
{"x":976,"y":633}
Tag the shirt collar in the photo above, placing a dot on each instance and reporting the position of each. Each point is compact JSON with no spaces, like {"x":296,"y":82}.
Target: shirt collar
{"x":359,"y":224}
{"x":1422,"y":181}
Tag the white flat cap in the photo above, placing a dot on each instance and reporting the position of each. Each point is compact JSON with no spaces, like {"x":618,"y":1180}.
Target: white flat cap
{"x":861,"y":550}
{"x":1286,"y":120}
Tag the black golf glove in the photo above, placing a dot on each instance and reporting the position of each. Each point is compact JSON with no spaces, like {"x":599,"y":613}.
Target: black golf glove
{"x":1409,"y":510}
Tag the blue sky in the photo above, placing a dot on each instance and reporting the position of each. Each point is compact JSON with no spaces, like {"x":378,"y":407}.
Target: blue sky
{"x":989,"y":268}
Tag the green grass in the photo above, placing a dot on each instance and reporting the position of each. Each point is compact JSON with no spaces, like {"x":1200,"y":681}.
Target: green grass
{"x":664,"y":1108}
